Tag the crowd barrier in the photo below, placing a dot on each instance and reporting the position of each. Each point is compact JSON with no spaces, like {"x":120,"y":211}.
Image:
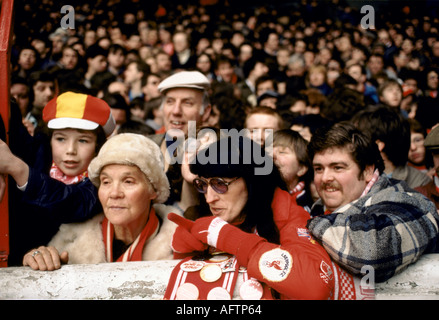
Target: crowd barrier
{"x":147,"y":280}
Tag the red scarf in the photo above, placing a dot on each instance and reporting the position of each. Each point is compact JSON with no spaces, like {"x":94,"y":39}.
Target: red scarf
{"x":57,"y":174}
{"x":134,"y":252}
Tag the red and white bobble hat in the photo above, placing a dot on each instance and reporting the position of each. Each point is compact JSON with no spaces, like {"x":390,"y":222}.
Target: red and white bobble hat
{"x":78,"y":111}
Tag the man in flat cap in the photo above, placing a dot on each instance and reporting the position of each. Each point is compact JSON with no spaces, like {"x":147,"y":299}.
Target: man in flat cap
{"x":431,"y":190}
{"x":185,"y":106}
{"x":185,"y":102}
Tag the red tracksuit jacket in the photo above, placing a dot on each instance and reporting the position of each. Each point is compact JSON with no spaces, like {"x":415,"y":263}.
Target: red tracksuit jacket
{"x":299,"y":268}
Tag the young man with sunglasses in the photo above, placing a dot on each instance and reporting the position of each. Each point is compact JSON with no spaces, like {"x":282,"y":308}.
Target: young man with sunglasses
{"x":363,"y":218}
{"x":238,"y":224}
{"x":251,"y":236}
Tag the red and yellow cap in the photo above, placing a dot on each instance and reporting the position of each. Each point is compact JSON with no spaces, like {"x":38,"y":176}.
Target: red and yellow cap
{"x":78,"y":111}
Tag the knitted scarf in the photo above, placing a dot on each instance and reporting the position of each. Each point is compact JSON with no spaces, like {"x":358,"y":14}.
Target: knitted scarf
{"x":57,"y":174}
{"x":134,"y":252}
{"x":298,"y":187}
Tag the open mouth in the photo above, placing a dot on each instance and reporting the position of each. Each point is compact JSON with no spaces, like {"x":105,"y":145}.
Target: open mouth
{"x":330,"y":188}
{"x":177,"y":123}
{"x":70,"y":164}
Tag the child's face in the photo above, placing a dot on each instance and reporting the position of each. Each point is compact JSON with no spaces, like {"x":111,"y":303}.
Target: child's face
{"x":316,"y":78}
{"x":417,"y":149}
{"x":392,"y":95}
{"x":72,"y":150}
{"x":286,"y":161}
{"x":225,"y":70}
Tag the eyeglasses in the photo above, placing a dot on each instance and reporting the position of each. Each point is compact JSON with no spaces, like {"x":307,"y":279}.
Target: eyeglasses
{"x":218,"y":184}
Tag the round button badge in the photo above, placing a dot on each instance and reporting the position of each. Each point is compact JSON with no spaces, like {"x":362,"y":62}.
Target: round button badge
{"x":187,"y":291}
{"x":211,"y":273}
{"x":192,"y":266}
{"x":251,"y":290}
{"x":219,"y":258}
{"x":218,"y":293}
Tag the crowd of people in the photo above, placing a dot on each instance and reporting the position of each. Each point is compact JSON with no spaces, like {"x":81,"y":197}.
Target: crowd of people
{"x":343,"y":116}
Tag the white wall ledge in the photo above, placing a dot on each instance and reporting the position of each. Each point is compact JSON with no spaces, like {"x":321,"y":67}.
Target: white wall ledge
{"x":147,"y":280}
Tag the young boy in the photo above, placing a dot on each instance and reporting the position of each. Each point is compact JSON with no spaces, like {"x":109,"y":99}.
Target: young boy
{"x":79,"y":125}
{"x":291,"y":158}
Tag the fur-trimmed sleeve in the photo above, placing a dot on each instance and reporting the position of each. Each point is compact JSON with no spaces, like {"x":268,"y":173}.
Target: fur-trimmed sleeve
{"x":83,"y":241}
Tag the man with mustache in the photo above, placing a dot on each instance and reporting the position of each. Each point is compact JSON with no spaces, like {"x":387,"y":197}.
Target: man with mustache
{"x":363,"y":218}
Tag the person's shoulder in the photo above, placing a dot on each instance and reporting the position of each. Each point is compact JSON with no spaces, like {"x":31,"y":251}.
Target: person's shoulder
{"x":418,"y":177}
{"x":286,"y":209}
{"x":400,"y":194}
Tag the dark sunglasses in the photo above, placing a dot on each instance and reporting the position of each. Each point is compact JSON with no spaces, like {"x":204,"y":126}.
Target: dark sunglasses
{"x":217,"y":184}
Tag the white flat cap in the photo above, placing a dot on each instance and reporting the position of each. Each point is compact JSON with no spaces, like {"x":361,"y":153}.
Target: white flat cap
{"x":185,"y":79}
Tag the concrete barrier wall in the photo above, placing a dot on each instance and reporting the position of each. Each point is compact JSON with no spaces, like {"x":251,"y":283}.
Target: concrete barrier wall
{"x":147,"y":280}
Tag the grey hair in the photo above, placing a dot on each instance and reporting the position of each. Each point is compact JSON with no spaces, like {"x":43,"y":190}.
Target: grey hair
{"x":297,"y":57}
{"x":205,"y":103}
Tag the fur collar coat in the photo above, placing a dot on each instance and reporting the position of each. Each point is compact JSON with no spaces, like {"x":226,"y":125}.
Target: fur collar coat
{"x":85,"y":245}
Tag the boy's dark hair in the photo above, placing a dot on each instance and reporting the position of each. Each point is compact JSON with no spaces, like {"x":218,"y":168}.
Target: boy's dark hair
{"x":386,"y":124}
{"x":42,"y":75}
{"x":342,"y":104}
{"x":114,"y":47}
{"x":266,"y":77}
{"x":101,"y":137}
{"x":34,"y":77}
{"x":223,"y":59}
{"x":291,"y":139}
{"x":117,"y":101}
{"x":95,"y":50}
{"x":250,"y":64}
{"x":387,"y":84}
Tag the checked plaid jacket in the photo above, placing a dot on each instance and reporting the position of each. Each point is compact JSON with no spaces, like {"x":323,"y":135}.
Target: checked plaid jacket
{"x":388,"y":228}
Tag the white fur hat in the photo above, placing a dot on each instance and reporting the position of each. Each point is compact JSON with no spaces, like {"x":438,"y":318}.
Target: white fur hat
{"x":133,"y":149}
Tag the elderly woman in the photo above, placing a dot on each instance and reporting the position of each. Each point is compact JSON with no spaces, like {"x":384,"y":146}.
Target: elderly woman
{"x":253,"y":229}
{"x":129,"y":174}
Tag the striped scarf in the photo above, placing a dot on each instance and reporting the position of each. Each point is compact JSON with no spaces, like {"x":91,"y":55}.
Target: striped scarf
{"x":57,"y":174}
{"x":372,"y":181}
{"x":297,"y":188}
{"x":436,"y":182}
{"x":135,"y":250}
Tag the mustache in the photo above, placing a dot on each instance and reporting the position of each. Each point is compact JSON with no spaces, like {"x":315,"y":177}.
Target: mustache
{"x":332,"y":185}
